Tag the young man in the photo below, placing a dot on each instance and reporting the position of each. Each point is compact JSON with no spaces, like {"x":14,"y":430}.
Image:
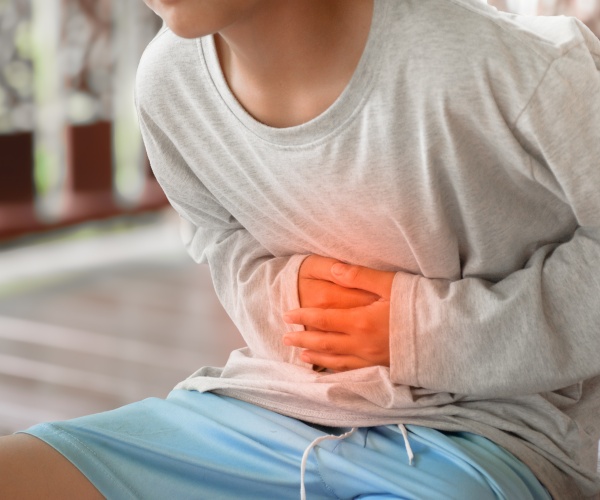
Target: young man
{"x":398,"y":202}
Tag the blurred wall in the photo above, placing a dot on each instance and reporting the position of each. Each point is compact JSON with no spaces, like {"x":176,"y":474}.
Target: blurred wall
{"x":587,"y":11}
{"x":70,"y":148}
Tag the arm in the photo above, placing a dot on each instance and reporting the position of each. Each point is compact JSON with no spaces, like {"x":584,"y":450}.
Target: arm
{"x":254,"y":287}
{"x":536,"y":330}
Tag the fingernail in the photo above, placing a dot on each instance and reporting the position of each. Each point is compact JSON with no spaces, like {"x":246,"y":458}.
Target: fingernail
{"x":338,"y":268}
{"x":305,"y":357}
{"x":287,"y":341}
{"x":287,"y":317}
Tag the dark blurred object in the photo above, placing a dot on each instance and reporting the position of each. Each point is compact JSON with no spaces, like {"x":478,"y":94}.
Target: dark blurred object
{"x":17,"y":195}
{"x":77,"y":177}
{"x":89,"y":191}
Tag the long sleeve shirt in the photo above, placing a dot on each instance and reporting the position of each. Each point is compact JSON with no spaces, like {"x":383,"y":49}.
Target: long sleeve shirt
{"x":464,"y":155}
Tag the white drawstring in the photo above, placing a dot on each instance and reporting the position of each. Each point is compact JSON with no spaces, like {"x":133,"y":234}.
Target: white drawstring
{"x":307,"y":452}
{"x":409,"y":451}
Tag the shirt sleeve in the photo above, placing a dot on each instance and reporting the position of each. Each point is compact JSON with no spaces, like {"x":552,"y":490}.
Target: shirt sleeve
{"x":254,"y":287}
{"x":538,"y":329}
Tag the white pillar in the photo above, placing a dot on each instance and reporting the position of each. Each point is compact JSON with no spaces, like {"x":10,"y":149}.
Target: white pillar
{"x":50,"y":109}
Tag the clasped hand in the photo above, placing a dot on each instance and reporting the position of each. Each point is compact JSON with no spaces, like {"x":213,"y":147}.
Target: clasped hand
{"x":345,"y":310}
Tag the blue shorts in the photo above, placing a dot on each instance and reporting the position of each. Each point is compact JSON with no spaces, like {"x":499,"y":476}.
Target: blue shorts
{"x":206,"y":446}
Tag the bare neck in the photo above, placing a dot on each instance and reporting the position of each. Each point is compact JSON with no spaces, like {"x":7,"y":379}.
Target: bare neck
{"x":288,"y":62}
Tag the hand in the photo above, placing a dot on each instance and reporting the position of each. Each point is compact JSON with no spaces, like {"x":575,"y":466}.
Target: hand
{"x":317,"y":287}
{"x":346,"y":339}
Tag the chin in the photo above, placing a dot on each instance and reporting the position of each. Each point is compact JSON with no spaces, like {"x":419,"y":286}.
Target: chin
{"x":184,"y":28}
{"x":184,"y":32}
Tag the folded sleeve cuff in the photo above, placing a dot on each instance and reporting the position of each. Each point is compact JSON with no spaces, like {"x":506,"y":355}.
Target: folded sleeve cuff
{"x":289,"y":283}
{"x":403,"y":348}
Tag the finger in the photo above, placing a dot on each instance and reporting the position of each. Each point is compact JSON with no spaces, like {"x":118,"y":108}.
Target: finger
{"x":322,"y":342}
{"x":336,"y":363}
{"x":317,"y":267}
{"x":325,"y":294}
{"x":363,"y":278}
{"x":330,"y":320}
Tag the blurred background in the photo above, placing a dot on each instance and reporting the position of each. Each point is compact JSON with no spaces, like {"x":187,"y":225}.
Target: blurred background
{"x":99,"y":306}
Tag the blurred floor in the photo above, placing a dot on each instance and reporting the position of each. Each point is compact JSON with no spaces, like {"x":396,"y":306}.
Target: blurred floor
{"x":81,"y":334}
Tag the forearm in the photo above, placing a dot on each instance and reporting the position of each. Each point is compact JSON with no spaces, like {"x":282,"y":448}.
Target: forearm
{"x":534,"y":331}
{"x":254,"y":287}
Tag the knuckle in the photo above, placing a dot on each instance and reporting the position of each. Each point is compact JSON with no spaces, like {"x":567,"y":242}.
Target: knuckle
{"x":323,"y":322}
{"x":353,"y":273}
{"x":322,"y":298}
{"x":324,"y":346}
{"x":372,"y":351}
{"x":331,"y":325}
{"x":363,"y":325}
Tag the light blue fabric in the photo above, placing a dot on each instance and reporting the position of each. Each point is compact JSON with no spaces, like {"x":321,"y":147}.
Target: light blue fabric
{"x":206,"y":446}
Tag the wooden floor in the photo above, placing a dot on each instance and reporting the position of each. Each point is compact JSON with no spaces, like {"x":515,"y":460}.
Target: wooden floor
{"x":94,"y":337}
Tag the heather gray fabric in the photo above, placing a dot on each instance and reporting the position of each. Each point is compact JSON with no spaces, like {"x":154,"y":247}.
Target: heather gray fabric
{"x":465,"y":152}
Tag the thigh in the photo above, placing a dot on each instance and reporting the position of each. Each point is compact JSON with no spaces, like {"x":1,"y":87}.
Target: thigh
{"x":29,"y":468}
{"x":201,"y":445}
{"x":191,"y":445}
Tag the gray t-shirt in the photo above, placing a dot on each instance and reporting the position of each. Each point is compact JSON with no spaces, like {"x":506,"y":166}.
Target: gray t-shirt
{"x":464,"y":154}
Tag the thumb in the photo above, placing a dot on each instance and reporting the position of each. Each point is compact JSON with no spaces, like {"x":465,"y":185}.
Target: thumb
{"x":363,"y":278}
